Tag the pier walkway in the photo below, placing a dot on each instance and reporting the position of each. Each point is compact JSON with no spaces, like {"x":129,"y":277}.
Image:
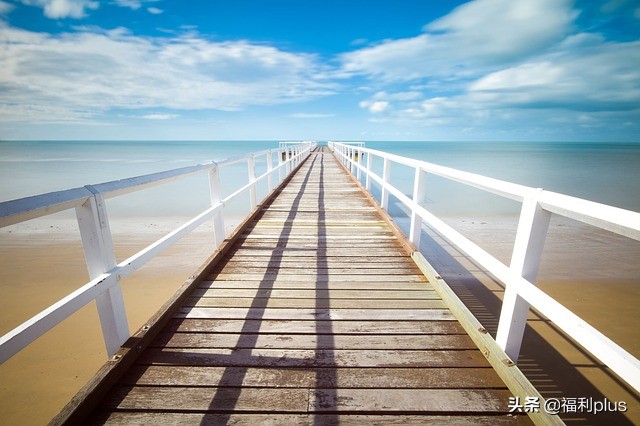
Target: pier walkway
{"x":313,"y":311}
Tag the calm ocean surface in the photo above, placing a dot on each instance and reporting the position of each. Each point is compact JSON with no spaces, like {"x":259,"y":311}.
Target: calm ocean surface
{"x":603,"y":172}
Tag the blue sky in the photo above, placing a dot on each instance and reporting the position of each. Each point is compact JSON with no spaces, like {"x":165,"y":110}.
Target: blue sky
{"x":350,"y":70}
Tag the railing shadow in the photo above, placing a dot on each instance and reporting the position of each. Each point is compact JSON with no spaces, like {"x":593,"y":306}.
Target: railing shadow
{"x":326,"y":377}
{"x":546,"y":368}
{"x":233,"y":378}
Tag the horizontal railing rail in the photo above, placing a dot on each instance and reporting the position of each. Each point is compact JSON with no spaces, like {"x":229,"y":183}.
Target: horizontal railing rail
{"x":104,"y":272}
{"x":520,"y":276}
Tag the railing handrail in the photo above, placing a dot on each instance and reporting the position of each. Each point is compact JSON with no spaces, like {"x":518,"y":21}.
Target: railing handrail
{"x":104,"y":273}
{"x":520,"y":276}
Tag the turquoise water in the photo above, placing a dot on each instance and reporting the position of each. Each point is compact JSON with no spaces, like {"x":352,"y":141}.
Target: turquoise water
{"x":603,"y":172}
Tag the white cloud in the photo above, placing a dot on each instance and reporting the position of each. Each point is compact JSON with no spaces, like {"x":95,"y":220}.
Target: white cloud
{"x":600,"y":77}
{"x":311,"y":115}
{"x":131,"y":4}
{"x":503,"y":64}
{"x":94,"y":72}
{"x":399,"y":96}
{"x":375,"y":106}
{"x":56,"y":9}
{"x":584,"y":83}
{"x":481,"y":33}
{"x":5,"y":7}
{"x":137,"y":4}
{"x":160,"y":116}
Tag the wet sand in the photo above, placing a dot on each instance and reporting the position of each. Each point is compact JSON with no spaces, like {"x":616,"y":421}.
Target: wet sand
{"x":43,"y":263}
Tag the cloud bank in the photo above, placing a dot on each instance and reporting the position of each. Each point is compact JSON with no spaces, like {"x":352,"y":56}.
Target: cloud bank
{"x":78,"y":74}
{"x":491,"y":61}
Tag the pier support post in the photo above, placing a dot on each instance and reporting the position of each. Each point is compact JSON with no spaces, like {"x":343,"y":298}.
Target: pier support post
{"x":216,"y":198}
{"x":419,"y":190}
{"x":525,"y":260}
{"x":251,"y":163}
{"x":97,"y":244}
{"x":386,"y":173}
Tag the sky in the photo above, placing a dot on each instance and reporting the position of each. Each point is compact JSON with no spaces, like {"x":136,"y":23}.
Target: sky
{"x":484,"y":70}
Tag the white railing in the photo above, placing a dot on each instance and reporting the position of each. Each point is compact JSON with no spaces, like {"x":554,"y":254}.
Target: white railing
{"x":104,"y":272}
{"x":520,"y":276}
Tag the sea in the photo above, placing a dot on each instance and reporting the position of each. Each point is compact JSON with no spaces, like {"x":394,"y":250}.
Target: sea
{"x":605,"y":172}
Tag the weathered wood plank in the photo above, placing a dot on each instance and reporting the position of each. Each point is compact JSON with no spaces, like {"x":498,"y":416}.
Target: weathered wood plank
{"x":140,"y":418}
{"x":249,"y":254}
{"x":307,"y":270}
{"x":387,"y":294}
{"x":292,"y":341}
{"x":318,"y":262}
{"x":320,"y":238}
{"x":347,"y":378}
{"x":332,"y":248}
{"x":301,"y":358}
{"x":317,"y":314}
{"x":411,"y":400}
{"x":360,"y":327}
{"x":208,"y":399}
{"x":315,"y":278}
{"x":279,"y":284}
{"x":275,"y":303}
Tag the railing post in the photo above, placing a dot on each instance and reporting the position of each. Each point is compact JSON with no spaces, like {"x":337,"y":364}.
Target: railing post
{"x":525,"y":260}
{"x":269,"y":169}
{"x":97,"y":244}
{"x":216,"y":197}
{"x":386,"y":173}
{"x":358,"y":170}
{"x":288,"y":167}
{"x":251,"y":163}
{"x":419,"y":190}
{"x":367,"y":179}
{"x":280,"y":169}
{"x":352,"y":163}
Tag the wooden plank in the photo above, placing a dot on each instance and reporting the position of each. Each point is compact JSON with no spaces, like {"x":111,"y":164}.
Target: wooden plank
{"x":323,"y":262}
{"x":411,"y":400}
{"x":346,"y":378}
{"x":332,"y":248}
{"x":387,"y":294}
{"x":274,"y":303}
{"x":360,"y":327}
{"x":165,"y":418}
{"x":301,"y":358}
{"x":315,"y":314}
{"x":367,"y":238}
{"x":307,"y":270}
{"x":345,"y":255}
{"x":356,"y":222}
{"x":291,"y":341}
{"x":315,"y":278}
{"x":208,"y":399}
{"x":278,"y":284}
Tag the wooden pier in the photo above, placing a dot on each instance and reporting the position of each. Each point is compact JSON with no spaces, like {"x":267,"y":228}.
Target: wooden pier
{"x":313,"y":311}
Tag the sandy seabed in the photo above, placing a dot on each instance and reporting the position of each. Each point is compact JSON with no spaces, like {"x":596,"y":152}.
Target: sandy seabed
{"x":593,"y":273}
